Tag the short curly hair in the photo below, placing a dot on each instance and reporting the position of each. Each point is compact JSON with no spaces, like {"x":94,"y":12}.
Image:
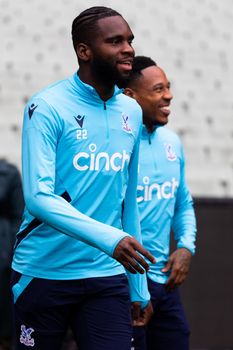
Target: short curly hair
{"x":139,"y":63}
{"x":84,"y":25}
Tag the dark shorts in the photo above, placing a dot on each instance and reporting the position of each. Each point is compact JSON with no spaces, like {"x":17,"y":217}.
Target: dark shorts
{"x":168,"y":328}
{"x":96,"y":309}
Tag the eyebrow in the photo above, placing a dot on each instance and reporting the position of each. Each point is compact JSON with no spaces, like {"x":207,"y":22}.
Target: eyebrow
{"x":117,"y":36}
{"x":161,"y":84}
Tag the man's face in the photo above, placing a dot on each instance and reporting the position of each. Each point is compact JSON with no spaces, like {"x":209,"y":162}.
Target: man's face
{"x":152,"y":92}
{"x":112,"y":52}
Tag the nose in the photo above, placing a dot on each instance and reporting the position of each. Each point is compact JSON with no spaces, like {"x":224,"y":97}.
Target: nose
{"x":168,"y":95}
{"x":128,"y":48}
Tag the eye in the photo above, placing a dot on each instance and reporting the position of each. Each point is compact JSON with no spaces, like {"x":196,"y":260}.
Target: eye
{"x":159,"y":89}
{"x":115,"y":41}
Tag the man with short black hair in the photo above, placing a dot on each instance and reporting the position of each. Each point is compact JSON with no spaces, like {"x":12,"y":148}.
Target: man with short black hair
{"x":165,"y":204}
{"x":80,"y":157}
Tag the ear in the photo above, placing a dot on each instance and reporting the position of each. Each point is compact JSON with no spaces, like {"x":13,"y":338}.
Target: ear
{"x":129,"y":92}
{"x":83,"y":52}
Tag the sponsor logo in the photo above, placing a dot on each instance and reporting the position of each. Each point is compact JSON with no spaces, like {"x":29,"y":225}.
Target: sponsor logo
{"x":164,"y":191}
{"x":31,"y":110}
{"x":95,"y":161}
{"x":170,"y":153}
{"x":25,"y":336}
{"x":125,"y":123}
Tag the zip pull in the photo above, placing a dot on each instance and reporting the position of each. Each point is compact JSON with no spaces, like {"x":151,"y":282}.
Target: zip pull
{"x":149,"y":139}
{"x":105,"y":107}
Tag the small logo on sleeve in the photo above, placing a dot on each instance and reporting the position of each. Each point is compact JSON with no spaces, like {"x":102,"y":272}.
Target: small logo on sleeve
{"x":31,"y":110}
{"x":170,"y":153}
{"x":25,"y":336}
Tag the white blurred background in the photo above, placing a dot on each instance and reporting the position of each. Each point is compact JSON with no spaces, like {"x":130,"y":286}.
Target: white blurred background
{"x":191,"y":40}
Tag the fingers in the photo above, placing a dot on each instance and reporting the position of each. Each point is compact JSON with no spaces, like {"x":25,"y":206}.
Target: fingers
{"x":126,"y":252}
{"x":167,"y":267}
{"x":136,"y":258}
{"x":176,"y":279}
{"x":131,"y":265}
{"x":136,"y":309}
{"x":148,"y":312}
{"x":138,"y":323}
{"x":172,"y":280}
{"x":178,"y":263}
{"x":127,"y":266}
{"x":170,"y":284}
{"x":144,"y":315}
{"x":144,"y":252}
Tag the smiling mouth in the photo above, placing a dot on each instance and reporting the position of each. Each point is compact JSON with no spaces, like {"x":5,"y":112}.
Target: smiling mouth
{"x":126,"y":63}
{"x":165,"y":110}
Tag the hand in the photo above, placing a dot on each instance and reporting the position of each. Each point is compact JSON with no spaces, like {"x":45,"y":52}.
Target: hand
{"x":178,"y":263}
{"x":126,"y":252}
{"x":141,"y":317}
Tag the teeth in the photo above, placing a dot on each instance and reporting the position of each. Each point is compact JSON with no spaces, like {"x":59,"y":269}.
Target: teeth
{"x":167,"y":108}
{"x":125,"y":62}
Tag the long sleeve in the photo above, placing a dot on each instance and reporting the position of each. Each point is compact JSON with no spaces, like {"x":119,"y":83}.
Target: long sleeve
{"x":131,"y":224}
{"x":41,"y":134}
{"x":184,"y":222}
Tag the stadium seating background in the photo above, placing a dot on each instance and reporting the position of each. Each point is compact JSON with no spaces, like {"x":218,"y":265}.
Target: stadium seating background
{"x":193,"y":41}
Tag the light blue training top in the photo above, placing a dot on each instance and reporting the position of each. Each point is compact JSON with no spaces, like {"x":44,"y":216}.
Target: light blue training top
{"x":79,"y":161}
{"x":163,"y":197}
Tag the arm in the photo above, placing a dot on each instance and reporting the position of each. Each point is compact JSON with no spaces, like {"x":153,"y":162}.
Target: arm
{"x":137,"y":283}
{"x":184,"y":228}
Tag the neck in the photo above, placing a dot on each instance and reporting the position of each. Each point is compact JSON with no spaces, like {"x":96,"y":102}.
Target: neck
{"x":104,"y":89}
{"x":150,"y":127}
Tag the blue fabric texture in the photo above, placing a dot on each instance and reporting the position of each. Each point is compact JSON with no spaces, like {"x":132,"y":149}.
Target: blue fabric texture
{"x":164,"y":198}
{"x":75,"y":143}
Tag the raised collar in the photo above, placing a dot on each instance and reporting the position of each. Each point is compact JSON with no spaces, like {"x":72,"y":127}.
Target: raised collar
{"x":88,"y":91}
{"x":149,"y":135}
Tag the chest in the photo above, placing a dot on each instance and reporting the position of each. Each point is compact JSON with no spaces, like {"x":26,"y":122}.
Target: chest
{"x":98,"y":137}
{"x":159,"y":161}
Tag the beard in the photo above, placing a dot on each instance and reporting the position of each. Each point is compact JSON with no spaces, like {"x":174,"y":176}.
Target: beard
{"x":107,"y":73}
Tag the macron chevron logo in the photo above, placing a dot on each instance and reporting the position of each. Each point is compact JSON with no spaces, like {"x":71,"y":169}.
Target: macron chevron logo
{"x":79,"y":119}
{"x":31,"y":110}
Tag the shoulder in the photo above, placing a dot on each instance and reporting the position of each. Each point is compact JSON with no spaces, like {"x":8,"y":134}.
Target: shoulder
{"x":131,"y":107}
{"x":169,"y":135}
{"x":51,"y":93}
{"x":130,"y":102}
{"x":47,"y":103}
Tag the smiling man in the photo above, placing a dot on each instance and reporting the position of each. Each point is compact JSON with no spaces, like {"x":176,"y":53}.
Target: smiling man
{"x":165,"y":204}
{"x":80,"y":158}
